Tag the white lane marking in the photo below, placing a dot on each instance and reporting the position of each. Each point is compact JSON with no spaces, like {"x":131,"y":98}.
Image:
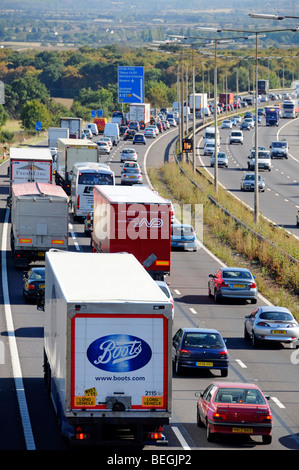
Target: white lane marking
{"x":177,"y":292}
{"x":180,"y":438}
{"x":278,"y":403}
{"x":193,"y":311}
{"x":241,"y":363}
{"x":16,"y":366}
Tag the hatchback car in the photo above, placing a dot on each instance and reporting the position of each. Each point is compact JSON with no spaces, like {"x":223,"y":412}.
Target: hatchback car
{"x":139,"y":138}
{"x":209,"y":148}
{"x":183,"y":236}
{"x":128,"y":164}
{"x":199,"y":348}
{"x":128,"y":154}
{"x":245,"y":126}
{"x":232,"y":283}
{"x":172,"y":122}
{"x":129,"y":134}
{"x":226,"y":124}
{"x":221,"y":159}
{"x":165,"y":289}
{"x":103,"y":147}
{"x":248,"y":182}
{"x":131,"y":176}
{"x":234,"y":408}
{"x":33,"y":282}
{"x":270,"y":323}
{"x":149,"y":132}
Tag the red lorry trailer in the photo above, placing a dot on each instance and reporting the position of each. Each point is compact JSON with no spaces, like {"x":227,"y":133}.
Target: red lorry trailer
{"x":134,"y":220}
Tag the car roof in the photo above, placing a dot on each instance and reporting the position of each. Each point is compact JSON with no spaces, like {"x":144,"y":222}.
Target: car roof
{"x":200,"y":330}
{"x":267,"y":308}
{"x":236,"y":385}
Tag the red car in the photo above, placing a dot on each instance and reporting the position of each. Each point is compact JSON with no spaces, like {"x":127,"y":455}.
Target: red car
{"x":234,"y":408}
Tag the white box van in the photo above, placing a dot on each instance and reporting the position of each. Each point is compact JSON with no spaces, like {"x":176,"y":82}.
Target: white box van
{"x":236,"y":137}
{"x":112,"y":130}
{"x":210,"y":135}
{"x":93,"y":127}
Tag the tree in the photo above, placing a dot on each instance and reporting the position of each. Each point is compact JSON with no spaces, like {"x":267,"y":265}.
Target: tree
{"x":34,"y":111}
{"x":3,"y":116}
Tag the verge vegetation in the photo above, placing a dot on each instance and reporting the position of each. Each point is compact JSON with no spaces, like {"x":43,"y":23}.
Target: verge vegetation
{"x":276,"y":275}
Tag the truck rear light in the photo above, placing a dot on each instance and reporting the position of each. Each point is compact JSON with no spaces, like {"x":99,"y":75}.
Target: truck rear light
{"x":81,"y":436}
{"x":78,"y":202}
{"x":31,"y":286}
{"x":57,"y":242}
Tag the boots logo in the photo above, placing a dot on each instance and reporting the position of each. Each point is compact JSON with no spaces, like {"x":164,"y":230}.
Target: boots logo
{"x":155,"y":222}
{"x":119,"y":353}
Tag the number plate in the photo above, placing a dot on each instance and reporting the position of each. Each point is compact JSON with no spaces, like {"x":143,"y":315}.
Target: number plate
{"x":239,"y":285}
{"x":205,"y":364}
{"x":278,"y":332}
{"x":243,"y":430}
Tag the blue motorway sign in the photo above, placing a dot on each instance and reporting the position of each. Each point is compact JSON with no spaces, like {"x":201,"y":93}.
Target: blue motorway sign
{"x":131,"y":84}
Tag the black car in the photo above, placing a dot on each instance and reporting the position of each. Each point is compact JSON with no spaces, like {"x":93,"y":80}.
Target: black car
{"x":245,"y":125}
{"x":199,"y":348}
{"x":33,"y":282}
{"x":129,"y":134}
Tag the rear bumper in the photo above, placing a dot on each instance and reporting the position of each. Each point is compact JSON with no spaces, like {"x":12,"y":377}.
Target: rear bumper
{"x":253,"y":429}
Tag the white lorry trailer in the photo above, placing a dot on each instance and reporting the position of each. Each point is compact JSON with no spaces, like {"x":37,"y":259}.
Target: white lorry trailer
{"x":69,"y":152}
{"x":55,"y":133}
{"x":39,"y":221}
{"x":140,"y":112}
{"x":107,"y":348}
{"x":30,"y":164}
{"x":75,"y":126}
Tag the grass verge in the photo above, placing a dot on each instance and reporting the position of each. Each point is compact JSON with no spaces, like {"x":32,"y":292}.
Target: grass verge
{"x":277,"y":277}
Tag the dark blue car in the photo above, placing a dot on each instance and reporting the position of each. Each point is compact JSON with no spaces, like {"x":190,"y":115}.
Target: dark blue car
{"x":183,"y":237}
{"x":199,"y":348}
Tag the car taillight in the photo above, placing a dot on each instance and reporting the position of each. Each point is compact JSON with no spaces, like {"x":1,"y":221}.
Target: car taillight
{"x":266,"y":418}
{"x":31,"y":286}
{"x":223,"y":354}
{"x":219,"y":416}
{"x":184,"y":351}
{"x":223,"y":284}
{"x":252,"y":285}
{"x":263,"y":323}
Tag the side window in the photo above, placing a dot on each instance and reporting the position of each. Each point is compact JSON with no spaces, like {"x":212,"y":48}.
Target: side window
{"x":177,"y":336}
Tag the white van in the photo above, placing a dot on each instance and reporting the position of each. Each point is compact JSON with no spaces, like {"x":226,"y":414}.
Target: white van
{"x":210,"y":135}
{"x":93,"y":127}
{"x":84,"y":177}
{"x":112,"y":130}
{"x":236,"y":137}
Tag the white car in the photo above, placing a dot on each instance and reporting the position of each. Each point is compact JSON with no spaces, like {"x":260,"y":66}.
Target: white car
{"x":250,"y":121}
{"x":149,"y":132}
{"x":164,"y":288}
{"x":128,"y":154}
{"x":226,"y":124}
{"x":103,"y":147}
{"x":172,"y":121}
{"x":209,"y":149}
{"x":155,"y":128}
{"x":108,"y":140}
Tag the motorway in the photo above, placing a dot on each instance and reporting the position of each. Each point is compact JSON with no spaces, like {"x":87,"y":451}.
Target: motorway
{"x":273,"y":367}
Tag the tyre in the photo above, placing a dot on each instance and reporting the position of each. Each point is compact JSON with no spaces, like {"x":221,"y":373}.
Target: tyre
{"x":210,"y":435}
{"x":267,"y":439}
{"x":178,"y":368}
{"x":246,"y":334}
{"x":198,"y":420}
{"x":253,"y":301}
{"x":224,"y":372}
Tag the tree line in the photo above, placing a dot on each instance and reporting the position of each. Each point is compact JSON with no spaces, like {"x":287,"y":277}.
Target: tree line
{"x":90,"y":77}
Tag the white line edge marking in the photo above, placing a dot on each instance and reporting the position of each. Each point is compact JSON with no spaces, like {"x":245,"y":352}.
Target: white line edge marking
{"x":278,"y":403}
{"x":193,"y":311}
{"x":180,"y":438}
{"x":177,"y":292}
{"x":241,"y":363}
{"x":16,"y":367}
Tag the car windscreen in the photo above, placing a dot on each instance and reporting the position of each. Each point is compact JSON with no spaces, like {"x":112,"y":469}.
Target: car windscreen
{"x":90,"y":179}
{"x":236,"y":274}
{"x":276,"y":316}
{"x":239,"y":395}
{"x":279,"y":145}
{"x":203,"y":340}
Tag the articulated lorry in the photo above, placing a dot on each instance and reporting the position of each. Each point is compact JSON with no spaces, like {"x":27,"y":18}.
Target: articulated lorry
{"x":39,"y":221}
{"x":69,"y":152}
{"x":133,"y":220}
{"x":140,"y":112}
{"x":107,"y":348}
{"x":30,"y":164}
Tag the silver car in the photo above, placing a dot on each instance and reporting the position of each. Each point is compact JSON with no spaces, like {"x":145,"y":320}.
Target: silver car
{"x":128,"y":154}
{"x":270,"y":323}
{"x":131,"y":176}
{"x":248,"y":182}
{"x":230,"y":283}
{"x":221,"y":158}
